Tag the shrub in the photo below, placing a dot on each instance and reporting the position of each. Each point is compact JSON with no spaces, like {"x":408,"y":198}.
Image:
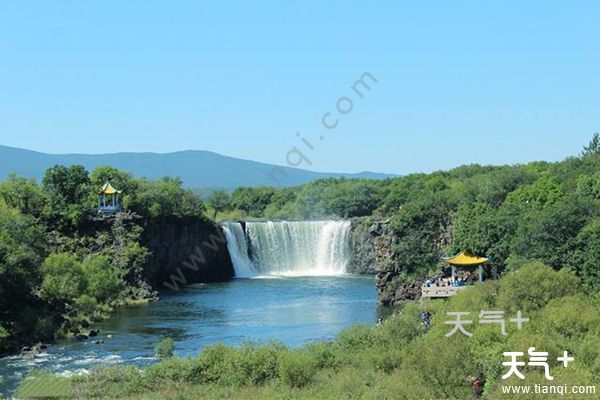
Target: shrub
{"x":571,"y":318}
{"x":386,"y":360}
{"x":63,"y":278}
{"x":107,"y":382}
{"x":358,"y":337}
{"x":165,"y":348}
{"x":405,"y":326}
{"x":256,"y":365}
{"x":533,"y":286}
{"x":213,"y":364}
{"x":4,"y":337}
{"x":169,"y":371}
{"x":103,"y":280}
{"x":44,"y":385}
{"x":297,"y":369}
{"x":86,"y":304}
{"x":324,"y":355}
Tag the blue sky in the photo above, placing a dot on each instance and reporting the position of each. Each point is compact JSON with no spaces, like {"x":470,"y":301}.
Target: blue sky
{"x":458,"y":82}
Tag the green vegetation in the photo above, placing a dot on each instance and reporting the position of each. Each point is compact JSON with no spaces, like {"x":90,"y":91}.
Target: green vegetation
{"x":397,"y":359}
{"x":538,"y":211}
{"x":539,"y":223}
{"x":62,"y":265}
{"x":219,"y":201}
{"x":165,"y":349}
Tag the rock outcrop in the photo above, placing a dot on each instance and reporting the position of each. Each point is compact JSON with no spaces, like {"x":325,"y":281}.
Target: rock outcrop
{"x":372,"y":245}
{"x":185,"y":250}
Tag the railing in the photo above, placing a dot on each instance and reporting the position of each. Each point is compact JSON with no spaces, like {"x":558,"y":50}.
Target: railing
{"x":109,"y":209}
{"x":440,"y":291}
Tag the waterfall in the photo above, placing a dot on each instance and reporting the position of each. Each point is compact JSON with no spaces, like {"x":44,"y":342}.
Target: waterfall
{"x":289,"y":248}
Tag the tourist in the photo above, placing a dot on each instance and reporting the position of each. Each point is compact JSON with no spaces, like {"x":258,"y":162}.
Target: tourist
{"x":425,"y":316}
{"x":477,"y":386}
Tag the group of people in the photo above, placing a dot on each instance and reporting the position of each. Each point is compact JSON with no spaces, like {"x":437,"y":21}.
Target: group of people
{"x":467,"y":278}
{"x":439,"y":282}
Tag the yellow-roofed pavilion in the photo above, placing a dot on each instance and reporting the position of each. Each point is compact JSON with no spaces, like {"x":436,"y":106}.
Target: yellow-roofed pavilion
{"x":109,"y":201}
{"x":466,"y":259}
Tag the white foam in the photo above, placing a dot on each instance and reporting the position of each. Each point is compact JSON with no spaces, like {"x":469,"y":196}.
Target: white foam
{"x":288,"y":248}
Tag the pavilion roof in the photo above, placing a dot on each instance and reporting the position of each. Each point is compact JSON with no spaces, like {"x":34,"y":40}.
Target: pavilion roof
{"x":107,"y":188}
{"x":465,"y":258}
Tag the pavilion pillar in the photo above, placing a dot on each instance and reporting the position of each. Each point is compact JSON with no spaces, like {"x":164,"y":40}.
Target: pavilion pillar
{"x":480,"y":273}
{"x":453,"y":273}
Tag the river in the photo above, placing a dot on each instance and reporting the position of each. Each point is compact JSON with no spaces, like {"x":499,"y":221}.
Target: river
{"x":293,"y":310}
{"x":294,"y":290}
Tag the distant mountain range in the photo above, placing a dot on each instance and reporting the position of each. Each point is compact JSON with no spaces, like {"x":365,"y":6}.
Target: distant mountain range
{"x":197,"y":169}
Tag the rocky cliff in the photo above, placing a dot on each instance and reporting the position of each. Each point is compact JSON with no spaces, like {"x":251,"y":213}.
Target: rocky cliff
{"x":369,"y":246}
{"x":372,"y":244}
{"x":183,"y":251}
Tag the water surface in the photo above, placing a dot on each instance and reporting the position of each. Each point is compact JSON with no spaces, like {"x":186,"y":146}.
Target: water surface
{"x":293,"y":310}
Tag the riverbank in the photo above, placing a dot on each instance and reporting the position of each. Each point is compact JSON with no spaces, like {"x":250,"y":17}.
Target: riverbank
{"x":397,"y":359}
{"x":126,"y":259}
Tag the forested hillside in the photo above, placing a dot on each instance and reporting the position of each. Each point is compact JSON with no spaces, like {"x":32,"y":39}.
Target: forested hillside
{"x":537,"y":211}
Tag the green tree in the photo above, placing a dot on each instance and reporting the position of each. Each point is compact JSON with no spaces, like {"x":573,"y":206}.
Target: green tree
{"x":103,"y":281}
{"x":21,"y":252}
{"x":23,"y":194}
{"x":121,"y":180}
{"x":165,"y":197}
{"x":585,"y":253}
{"x":542,"y":193}
{"x":252,"y":201}
{"x":68,"y":185}
{"x":422,"y":230}
{"x":219,"y":201}
{"x":63,"y":279}
{"x":533,"y":286}
{"x":68,"y":189}
{"x":593,"y":146}
{"x":485,"y":231}
{"x":548,"y":234}
{"x":589,"y":186}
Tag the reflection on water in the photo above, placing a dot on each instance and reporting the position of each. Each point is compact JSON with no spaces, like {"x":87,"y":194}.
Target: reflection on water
{"x":291,"y":310}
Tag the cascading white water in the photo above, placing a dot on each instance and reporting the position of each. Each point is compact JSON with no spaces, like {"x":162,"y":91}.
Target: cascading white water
{"x":238,"y":249}
{"x":291,"y":248}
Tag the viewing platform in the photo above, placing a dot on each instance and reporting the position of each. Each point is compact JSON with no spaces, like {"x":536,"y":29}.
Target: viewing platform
{"x":448,"y":287}
{"x":440,"y":292}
